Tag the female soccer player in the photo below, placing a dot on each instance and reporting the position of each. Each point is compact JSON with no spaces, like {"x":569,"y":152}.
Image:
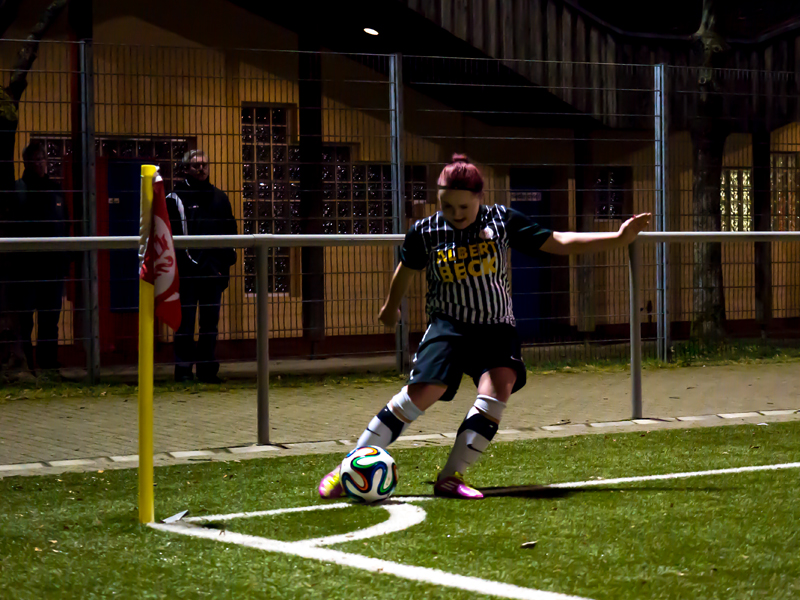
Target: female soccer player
{"x":463,"y":248}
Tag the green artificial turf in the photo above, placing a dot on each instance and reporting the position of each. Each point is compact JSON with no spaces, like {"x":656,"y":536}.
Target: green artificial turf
{"x":723,"y":536}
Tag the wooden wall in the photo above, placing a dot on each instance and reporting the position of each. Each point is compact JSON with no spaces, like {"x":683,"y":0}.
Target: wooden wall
{"x":549,"y":42}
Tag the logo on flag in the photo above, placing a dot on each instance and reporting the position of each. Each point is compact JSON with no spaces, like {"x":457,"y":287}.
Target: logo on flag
{"x":158,"y":265}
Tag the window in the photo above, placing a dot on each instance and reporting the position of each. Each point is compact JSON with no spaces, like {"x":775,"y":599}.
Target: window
{"x":356,"y":195}
{"x":416,"y":182}
{"x":736,"y":200}
{"x":165,"y":152}
{"x":270,"y":189}
{"x":784,"y":180}
{"x":612,"y":192}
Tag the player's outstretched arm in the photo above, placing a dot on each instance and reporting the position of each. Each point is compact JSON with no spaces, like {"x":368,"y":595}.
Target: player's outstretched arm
{"x":570,"y":242}
{"x":390,"y":312}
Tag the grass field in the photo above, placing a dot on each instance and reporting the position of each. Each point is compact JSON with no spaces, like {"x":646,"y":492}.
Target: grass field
{"x":722,"y":536}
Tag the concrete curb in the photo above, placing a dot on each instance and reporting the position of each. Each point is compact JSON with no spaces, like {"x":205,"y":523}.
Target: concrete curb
{"x":238,"y":453}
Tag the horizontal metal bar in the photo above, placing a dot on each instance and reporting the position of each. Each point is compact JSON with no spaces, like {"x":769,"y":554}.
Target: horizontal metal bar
{"x":285,"y":241}
{"x":196,"y":241}
{"x":702,"y":237}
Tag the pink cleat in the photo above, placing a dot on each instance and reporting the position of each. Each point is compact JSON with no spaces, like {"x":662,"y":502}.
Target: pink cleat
{"x":330,"y":486}
{"x":454,"y":487}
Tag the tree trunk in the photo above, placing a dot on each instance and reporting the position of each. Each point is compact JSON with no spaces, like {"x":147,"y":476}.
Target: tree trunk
{"x":708,"y":132}
{"x":11,"y":95}
{"x":708,"y":139}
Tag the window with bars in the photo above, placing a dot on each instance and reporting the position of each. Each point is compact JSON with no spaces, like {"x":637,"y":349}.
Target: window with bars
{"x":784,"y":184}
{"x":165,"y":152}
{"x":270,"y":188}
{"x":356,"y":195}
{"x":612,"y":191}
{"x":736,"y":200}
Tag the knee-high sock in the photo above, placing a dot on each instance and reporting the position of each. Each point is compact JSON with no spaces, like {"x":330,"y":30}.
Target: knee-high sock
{"x":474,"y":435}
{"x":390,"y":423}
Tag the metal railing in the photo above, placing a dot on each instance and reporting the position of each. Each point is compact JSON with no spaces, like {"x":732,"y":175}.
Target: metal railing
{"x":262,"y":244}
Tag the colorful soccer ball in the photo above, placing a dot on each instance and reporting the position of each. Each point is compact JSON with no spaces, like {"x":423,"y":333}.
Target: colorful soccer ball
{"x":368,"y":474}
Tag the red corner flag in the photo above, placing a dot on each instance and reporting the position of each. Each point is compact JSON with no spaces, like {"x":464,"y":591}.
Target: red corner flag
{"x":159,"y":266}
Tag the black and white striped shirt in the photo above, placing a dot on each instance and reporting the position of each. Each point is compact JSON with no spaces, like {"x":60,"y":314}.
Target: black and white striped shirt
{"x":467,"y":269}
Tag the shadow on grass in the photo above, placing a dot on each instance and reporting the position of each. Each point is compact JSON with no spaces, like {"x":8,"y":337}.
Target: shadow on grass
{"x":544,"y":491}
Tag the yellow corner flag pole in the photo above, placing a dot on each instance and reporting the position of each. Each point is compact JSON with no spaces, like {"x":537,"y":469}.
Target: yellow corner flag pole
{"x":146,"y":327}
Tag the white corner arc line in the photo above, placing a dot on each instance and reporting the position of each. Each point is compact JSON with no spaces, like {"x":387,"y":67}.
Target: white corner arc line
{"x":401,"y":516}
{"x":575,"y":484}
{"x":375,"y":565}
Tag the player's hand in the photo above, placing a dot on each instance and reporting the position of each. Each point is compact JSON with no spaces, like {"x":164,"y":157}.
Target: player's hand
{"x":633,"y":227}
{"x":388,"y":317}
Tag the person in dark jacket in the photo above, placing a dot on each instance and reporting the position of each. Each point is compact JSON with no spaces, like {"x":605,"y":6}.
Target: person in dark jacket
{"x":198,"y":208}
{"x":41,"y":212}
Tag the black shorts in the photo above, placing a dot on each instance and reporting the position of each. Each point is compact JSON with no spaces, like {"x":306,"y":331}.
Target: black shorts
{"x":451,"y":348}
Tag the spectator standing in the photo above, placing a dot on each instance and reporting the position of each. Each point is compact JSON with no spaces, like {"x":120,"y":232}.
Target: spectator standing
{"x":41,"y":211}
{"x":196,"y":207}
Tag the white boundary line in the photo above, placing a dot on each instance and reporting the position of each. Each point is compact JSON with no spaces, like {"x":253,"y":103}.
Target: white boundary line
{"x":576,"y":484}
{"x":374,"y":565}
{"x":402,"y":516}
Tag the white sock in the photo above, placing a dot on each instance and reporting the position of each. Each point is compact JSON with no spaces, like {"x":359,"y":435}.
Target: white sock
{"x":474,"y":435}
{"x":390,"y":423}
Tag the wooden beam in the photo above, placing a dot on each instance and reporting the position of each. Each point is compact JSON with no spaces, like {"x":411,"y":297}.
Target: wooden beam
{"x":610,"y":80}
{"x":507,"y":30}
{"x":581,"y":71}
{"x":492,"y":45}
{"x":594,"y":58}
{"x":477,"y":15}
{"x":552,"y":46}
{"x":567,"y":40}
{"x":521,"y":39}
{"x":768,"y":87}
{"x":461,"y":19}
{"x":537,"y":41}
{"x":446,"y":17}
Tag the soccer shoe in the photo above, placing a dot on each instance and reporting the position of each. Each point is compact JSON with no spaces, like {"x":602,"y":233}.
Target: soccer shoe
{"x":330,"y":486}
{"x":454,"y":487}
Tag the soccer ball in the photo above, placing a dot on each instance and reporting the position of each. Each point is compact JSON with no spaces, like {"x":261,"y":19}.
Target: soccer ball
{"x":368,"y":474}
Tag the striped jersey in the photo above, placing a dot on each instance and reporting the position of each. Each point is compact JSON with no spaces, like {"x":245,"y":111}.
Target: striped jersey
{"x":467,"y":269}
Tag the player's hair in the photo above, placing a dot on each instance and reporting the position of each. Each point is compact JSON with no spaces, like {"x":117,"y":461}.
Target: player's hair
{"x":187,"y":158}
{"x":461,"y":174}
{"x":33,"y":150}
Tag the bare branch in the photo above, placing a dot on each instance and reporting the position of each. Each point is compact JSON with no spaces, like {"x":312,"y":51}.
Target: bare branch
{"x":29,"y":52}
{"x":708,"y":21}
{"x":9,"y":9}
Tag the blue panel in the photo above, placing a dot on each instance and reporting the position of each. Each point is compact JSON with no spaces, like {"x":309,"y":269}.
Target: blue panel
{"x":530,"y":276}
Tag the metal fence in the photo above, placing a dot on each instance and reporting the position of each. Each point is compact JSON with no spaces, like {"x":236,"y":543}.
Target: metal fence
{"x":324,"y":143}
{"x":263,"y":243}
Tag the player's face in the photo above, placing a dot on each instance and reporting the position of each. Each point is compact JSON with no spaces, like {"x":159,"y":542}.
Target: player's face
{"x":459,"y":207}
